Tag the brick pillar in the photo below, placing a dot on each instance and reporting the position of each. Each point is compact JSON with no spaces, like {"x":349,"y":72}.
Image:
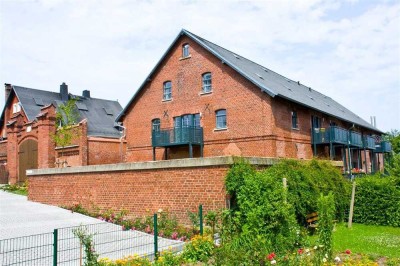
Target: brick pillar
{"x":12,"y":154}
{"x":83,"y":143}
{"x":46,"y":130}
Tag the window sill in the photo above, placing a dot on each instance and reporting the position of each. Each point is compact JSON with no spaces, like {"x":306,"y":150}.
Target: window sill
{"x":296,"y":128}
{"x":167,"y":100}
{"x":184,"y":58}
{"x":221,"y":129}
{"x":205,"y":93}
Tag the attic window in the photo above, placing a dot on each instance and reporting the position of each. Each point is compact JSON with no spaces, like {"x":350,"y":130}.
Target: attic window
{"x":38,"y":101}
{"x":266,"y":70}
{"x":258,"y":75}
{"x":16,"y":107}
{"x":108,"y":111}
{"x":235,"y":55}
{"x":81,"y":106}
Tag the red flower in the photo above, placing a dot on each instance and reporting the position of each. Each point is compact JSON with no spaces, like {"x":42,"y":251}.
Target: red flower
{"x":348,"y":251}
{"x":300,"y":251}
{"x":271,"y":256}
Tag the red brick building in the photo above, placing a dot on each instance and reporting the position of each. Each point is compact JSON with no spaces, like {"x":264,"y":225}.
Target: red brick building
{"x":27,"y":127}
{"x":204,"y":100}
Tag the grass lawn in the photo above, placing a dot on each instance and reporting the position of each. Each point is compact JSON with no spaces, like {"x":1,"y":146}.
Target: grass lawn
{"x":367,"y":239}
{"x":20,"y":190}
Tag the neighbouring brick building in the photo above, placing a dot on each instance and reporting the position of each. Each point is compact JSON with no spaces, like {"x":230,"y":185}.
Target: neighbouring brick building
{"x":27,"y":127}
{"x":204,"y":100}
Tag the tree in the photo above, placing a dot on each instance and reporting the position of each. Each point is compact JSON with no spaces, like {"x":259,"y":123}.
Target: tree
{"x":392,"y":164}
{"x":66,"y":117}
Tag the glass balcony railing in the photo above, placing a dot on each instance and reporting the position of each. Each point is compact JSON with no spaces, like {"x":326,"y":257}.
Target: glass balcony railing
{"x":334,"y":134}
{"x":383,"y":147}
{"x":369,"y":143}
{"x":356,"y":139}
{"x":177,"y":136}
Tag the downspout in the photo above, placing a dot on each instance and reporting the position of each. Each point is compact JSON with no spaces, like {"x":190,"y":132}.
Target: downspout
{"x":121,"y":141}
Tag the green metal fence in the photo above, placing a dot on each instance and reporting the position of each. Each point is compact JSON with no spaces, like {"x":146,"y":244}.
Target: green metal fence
{"x":62,"y":247}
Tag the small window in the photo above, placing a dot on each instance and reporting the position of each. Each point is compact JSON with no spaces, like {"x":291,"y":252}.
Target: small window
{"x":155,"y":124}
{"x":185,"y":50}
{"x":294,"y":120}
{"x":16,"y":108}
{"x":207,"y":82}
{"x":220,"y":118}
{"x":167,"y":90}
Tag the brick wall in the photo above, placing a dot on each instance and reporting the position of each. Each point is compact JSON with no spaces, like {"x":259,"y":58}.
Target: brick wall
{"x":105,"y":151}
{"x":140,"y":188}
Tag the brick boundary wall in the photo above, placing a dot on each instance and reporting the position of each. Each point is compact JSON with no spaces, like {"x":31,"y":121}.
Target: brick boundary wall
{"x":141,"y":188}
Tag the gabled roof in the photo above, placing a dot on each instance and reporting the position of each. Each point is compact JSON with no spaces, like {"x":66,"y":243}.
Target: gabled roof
{"x":269,"y":81}
{"x":100,"y":114}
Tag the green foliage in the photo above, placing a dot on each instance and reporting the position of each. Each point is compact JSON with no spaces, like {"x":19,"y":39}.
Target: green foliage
{"x":87,"y":243}
{"x":307,"y":180}
{"x":16,"y":188}
{"x":377,"y":201}
{"x":194,"y":219}
{"x":326,"y":214}
{"x":211,"y":219}
{"x":261,"y":220}
{"x":394,"y":138}
{"x":66,"y":116}
{"x":392,"y":165}
{"x":200,"y":248}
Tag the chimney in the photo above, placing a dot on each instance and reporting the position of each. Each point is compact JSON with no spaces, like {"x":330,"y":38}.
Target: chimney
{"x":7,"y":91}
{"x":86,"y":93}
{"x":64,"y":92}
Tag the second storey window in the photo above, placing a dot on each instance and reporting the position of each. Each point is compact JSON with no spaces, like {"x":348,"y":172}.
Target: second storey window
{"x":294,"y":120}
{"x":220,"y":118}
{"x":185,"y":50}
{"x":155,"y":124}
{"x":207,"y":82}
{"x":167,"y":90}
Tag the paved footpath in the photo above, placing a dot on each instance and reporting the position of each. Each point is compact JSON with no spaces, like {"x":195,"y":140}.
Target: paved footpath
{"x":20,"y":217}
{"x":26,"y":235}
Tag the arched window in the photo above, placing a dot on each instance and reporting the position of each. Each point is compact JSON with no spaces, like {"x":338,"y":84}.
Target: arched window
{"x":167,"y":94}
{"x":185,"y":50}
{"x":207,"y":82}
{"x":220,"y":116}
{"x":155,"y":124}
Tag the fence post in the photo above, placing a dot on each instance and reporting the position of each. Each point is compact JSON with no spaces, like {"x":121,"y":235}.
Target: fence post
{"x":155,"y":237}
{"x":55,"y":246}
{"x":201,"y":218}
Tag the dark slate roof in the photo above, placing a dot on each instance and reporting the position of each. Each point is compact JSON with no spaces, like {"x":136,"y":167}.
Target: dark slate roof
{"x":100,"y":122}
{"x":271,"y":82}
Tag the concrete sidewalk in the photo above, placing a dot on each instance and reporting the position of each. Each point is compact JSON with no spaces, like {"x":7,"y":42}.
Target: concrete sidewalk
{"x":20,"y":217}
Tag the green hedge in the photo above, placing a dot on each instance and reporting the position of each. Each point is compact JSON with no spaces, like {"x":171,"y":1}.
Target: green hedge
{"x":306,"y":180}
{"x":377,"y":201}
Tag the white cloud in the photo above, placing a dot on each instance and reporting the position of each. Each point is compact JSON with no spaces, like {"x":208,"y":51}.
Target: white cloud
{"x":348,"y":50}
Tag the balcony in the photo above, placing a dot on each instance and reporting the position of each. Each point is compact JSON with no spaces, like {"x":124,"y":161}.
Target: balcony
{"x":383,"y":147}
{"x":177,"y":136}
{"x":369,"y":143}
{"x":333,"y":134}
{"x":355,"y":139}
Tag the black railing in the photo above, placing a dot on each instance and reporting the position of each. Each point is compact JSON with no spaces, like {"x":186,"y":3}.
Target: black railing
{"x":177,"y":136}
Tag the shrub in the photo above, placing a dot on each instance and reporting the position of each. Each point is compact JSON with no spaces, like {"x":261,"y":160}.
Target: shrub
{"x":200,"y":248}
{"x":326,"y":212}
{"x":377,"y":201}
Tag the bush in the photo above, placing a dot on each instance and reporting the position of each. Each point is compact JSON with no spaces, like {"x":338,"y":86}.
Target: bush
{"x":200,"y":248}
{"x":326,"y":212}
{"x":307,"y":180}
{"x":377,"y":201}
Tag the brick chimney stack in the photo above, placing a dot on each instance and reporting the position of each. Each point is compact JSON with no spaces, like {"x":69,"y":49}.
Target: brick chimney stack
{"x":7,"y":91}
{"x":64,"y":92}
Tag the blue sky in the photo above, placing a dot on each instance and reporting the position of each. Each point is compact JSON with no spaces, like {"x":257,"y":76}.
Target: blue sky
{"x":348,"y":50}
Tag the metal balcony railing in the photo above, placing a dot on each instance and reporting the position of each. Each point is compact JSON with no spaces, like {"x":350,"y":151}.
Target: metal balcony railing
{"x":369,"y":143}
{"x":177,"y":136}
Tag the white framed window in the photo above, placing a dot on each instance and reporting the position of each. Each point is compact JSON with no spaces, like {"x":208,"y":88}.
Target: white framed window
{"x":220,"y":116}
{"x":16,"y":108}
{"x":167,"y":93}
{"x":207,"y":87}
{"x":185,"y":50}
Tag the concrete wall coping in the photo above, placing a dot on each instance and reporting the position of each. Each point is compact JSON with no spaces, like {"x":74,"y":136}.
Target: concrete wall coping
{"x":177,"y":163}
{"x":150,"y":165}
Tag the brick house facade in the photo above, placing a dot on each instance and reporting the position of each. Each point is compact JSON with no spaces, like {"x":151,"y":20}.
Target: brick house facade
{"x":28,"y":126}
{"x":204,"y":100}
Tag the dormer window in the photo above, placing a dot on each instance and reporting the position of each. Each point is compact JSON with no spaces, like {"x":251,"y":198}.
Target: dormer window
{"x":185,"y":50}
{"x":16,"y":107}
